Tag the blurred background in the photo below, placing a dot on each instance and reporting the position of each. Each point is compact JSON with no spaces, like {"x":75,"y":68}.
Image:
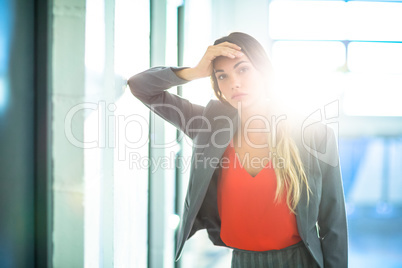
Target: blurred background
{"x":81,"y":185}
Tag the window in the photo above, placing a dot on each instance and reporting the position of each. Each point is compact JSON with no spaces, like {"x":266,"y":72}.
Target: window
{"x":335,"y":49}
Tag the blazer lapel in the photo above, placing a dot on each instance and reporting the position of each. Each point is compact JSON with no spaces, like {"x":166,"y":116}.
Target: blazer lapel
{"x":224,"y":123}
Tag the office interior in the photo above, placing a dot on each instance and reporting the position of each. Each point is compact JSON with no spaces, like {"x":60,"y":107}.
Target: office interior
{"x":81,"y":185}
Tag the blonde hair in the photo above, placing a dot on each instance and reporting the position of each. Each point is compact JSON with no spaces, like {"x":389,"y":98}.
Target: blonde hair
{"x":292,"y":174}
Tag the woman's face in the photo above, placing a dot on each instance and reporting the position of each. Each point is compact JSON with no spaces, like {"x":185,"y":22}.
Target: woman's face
{"x":239,"y":81}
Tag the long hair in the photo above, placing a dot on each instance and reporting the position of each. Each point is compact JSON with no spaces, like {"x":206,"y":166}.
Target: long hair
{"x":288,"y":166}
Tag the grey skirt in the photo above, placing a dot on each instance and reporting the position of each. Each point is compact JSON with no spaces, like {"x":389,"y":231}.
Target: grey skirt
{"x":294,"y":256}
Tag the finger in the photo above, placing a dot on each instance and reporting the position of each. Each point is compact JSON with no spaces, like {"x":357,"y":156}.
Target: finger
{"x":231,"y":53}
{"x":216,"y":51}
{"x":231,"y":45}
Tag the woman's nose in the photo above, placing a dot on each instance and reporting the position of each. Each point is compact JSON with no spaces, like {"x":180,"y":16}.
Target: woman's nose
{"x":235,"y":83}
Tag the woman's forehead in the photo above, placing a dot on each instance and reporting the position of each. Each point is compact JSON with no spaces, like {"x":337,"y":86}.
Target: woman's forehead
{"x":226,"y":63}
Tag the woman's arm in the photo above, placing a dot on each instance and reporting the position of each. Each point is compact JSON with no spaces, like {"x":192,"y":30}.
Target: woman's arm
{"x":150,"y":87}
{"x":332,"y":213}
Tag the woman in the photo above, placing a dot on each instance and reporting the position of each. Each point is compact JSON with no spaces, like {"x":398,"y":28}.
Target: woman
{"x":275,"y":195}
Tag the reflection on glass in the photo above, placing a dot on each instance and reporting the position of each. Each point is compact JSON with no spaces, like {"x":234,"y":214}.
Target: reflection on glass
{"x":4,"y":92}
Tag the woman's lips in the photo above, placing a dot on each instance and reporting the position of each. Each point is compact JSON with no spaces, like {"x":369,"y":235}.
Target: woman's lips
{"x":238,"y":96}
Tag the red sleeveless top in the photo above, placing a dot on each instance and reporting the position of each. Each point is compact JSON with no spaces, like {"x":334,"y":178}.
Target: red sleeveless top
{"x":250,"y":219}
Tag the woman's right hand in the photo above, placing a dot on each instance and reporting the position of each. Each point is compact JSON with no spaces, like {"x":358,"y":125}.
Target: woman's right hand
{"x":205,"y":66}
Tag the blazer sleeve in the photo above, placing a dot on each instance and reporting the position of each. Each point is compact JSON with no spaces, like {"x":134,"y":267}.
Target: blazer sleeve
{"x":150,"y":87}
{"x":332,"y":221}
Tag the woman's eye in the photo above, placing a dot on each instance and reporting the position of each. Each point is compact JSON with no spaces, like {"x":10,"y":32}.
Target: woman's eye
{"x":244,"y":69}
{"x":221,"y":77}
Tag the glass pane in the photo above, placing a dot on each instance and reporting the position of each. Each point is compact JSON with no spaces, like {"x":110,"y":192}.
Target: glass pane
{"x":131,"y":120}
{"x":335,"y":20}
{"x":369,"y":95}
{"x":374,"y":21}
{"x":375,"y":57}
{"x":304,"y":56}
{"x":307,"y":20}
{"x":308,"y":74}
{"x":307,"y":92}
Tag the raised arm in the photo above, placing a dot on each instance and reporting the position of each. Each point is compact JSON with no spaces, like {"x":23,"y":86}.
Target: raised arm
{"x":150,"y":87}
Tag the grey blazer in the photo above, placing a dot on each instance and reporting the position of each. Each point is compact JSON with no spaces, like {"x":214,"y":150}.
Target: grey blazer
{"x":321,"y":222}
